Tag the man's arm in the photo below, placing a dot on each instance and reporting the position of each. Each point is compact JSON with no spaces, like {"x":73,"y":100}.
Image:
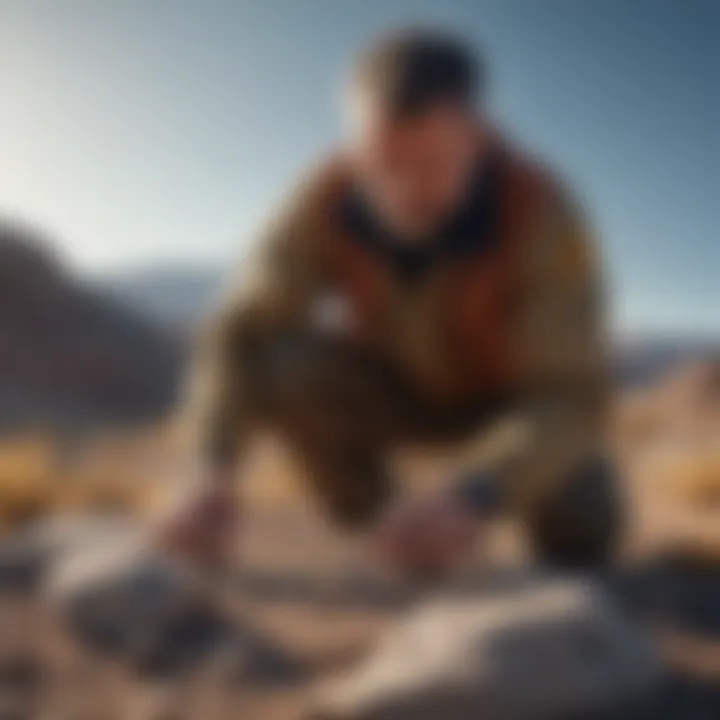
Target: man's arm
{"x":564,"y":385}
{"x":562,"y":406}
{"x":272,"y":294}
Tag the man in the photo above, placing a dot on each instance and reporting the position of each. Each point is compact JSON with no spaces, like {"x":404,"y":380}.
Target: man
{"x":424,"y":284}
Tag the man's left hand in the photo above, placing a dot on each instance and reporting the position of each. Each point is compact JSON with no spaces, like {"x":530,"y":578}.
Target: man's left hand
{"x":427,"y":537}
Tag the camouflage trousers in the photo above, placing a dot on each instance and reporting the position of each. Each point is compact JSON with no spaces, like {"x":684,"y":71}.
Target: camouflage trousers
{"x":344,"y":412}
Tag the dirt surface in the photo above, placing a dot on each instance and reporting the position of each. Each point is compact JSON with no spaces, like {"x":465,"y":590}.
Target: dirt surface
{"x":315,"y":605}
{"x":305,"y":595}
{"x":311,"y":603}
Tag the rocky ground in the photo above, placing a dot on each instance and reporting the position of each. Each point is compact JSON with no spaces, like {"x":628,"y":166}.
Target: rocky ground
{"x":314,"y":606}
{"x":307,"y":604}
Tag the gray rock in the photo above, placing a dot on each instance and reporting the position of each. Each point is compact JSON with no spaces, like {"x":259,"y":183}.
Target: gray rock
{"x":120,"y":591}
{"x":21,"y":564}
{"x":556,"y":649}
{"x":116,"y":595}
{"x":26,"y":554}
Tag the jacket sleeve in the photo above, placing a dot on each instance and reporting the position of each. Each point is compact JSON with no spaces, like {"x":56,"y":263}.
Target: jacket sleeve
{"x":272,"y":293}
{"x":564,"y":387}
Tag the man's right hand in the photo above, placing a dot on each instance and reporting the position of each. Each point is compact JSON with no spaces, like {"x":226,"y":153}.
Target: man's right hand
{"x":203,"y":527}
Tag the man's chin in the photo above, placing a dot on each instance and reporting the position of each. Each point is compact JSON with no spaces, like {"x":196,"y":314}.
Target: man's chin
{"x":414,"y":233}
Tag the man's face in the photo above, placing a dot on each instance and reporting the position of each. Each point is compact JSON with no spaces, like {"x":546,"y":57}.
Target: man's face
{"x":415,"y":171}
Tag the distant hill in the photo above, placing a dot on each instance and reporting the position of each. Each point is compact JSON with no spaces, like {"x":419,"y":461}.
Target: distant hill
{"x":179,"y":296}
{"x":175,"y":296}
{"x":69,"y":354}
{"x":643,"y":360}
{"x":110,"y":348}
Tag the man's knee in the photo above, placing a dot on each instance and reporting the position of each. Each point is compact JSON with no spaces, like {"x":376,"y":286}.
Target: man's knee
{"x":332,"y":406}
{"x":580,"y":524}
{"x":321,"y":388}
{"x":350,"y":489}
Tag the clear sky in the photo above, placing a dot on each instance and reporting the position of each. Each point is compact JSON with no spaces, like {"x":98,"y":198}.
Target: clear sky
{"x":162,"y":130}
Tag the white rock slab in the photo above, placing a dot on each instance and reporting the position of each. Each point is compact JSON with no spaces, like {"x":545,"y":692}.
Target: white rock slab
{"x":554,"y":649}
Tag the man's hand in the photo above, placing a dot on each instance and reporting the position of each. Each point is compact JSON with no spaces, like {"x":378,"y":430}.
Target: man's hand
{"x":427,"y":537}
{"x":203,"y":527}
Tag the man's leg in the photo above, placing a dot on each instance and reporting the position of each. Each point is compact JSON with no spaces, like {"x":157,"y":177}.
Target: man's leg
{"x":579,"y":525}
{"x":341,"y":413}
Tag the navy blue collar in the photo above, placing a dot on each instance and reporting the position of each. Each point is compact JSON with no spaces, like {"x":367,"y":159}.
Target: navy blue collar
{"x":471,"y":230}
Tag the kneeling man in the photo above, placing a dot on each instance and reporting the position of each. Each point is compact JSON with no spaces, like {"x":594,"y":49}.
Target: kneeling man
{"x":426,"y":282}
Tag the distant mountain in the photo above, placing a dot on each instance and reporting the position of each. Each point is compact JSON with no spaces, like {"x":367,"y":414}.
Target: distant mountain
{"x":644,"y":359}
{"x":110,"y":348}
{"x":179,"y":296}
{"x":69,"y":354}
{"x":176,"y":297}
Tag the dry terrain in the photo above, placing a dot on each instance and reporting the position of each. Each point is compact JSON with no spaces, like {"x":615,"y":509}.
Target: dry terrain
{"x":317,"y":601}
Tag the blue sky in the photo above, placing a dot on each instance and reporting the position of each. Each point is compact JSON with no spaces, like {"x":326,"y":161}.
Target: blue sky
{"x":162,"y":130}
